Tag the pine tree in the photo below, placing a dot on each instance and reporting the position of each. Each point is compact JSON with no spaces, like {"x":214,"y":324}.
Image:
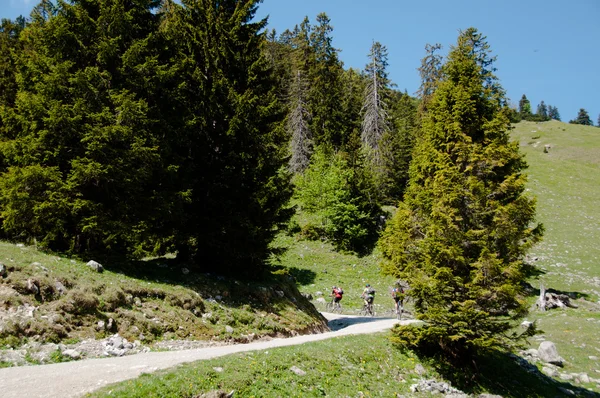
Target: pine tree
{"x":598,"y":122}
{"x":582,"y":118}
{"x":397,"y":145}
{"x":326,"y":87}
{"x":298,"y":125}
{"x":430,"y":71}
{"x":80,"y":134}
{"x":524,"y":107}
{"x":375,"y":120}
{"x":553,"y":113}
{"x":229,"y":185}
{"x":460,"y":235}
{"x":542,"y":111}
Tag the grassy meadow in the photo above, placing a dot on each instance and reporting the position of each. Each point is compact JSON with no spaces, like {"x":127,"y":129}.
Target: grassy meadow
{"x":566,"y":181}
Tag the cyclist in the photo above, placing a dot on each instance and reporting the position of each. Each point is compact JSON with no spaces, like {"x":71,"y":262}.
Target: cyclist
{"x":368,"y":296}
{"x":398,"y":296}
{"x":337,"y":293}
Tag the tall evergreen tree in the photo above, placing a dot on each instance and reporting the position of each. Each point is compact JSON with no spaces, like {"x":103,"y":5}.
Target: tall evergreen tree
{"x":542,"y":111}
{"x":582,"y":118}
{"x":598,"y":122}
{"x":430,"y":72}
{"x":298,"y":125}
{"x":524,"y":107}
{"x":229,"y":146}
{"x":460,"y":235}
{"x":553,"y":113}
{"x":79,"y":133}
{"x":326,"y":87}
{"x":375,"y":120}
{"x":397,"y":145}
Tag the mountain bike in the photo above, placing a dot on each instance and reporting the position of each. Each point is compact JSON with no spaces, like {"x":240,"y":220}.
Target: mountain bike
{"x":333,"y":306}
{"x":367,"y":309}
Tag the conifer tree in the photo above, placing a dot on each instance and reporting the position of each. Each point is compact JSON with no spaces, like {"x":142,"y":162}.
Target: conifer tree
{"x":524,"y":107}
{"x":542,"y":111}
{"x":298,"y":125}
{"x":229,"y":183}
{"x":553,"y":113}
{"x":397,"y":145}
{"x":582,"y":118}
{"x":430,"y":71}
{"x":79,"y":133}
{"x":460,"y":235}
{"x":326,"y":87}
{"x":375,"y":119}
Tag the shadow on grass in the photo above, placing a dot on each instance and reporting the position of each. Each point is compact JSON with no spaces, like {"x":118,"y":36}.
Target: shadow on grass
{"x":508,"y":375}
{"x":533,"y":291}
{"x":275,"y":290}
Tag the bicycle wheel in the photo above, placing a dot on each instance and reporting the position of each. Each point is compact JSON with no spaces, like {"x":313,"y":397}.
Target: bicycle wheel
{"x":329,"y":306}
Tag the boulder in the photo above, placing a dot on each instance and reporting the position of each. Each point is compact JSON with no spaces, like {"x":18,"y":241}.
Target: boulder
{"x":96,"y":266}
{"x":3,"y":271}
{"x":72,"y":354}
{"x":548,"y":353}
{"x":549,"y":371}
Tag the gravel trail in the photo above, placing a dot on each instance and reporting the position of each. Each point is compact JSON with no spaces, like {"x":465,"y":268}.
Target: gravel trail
{"x":74,"y":379}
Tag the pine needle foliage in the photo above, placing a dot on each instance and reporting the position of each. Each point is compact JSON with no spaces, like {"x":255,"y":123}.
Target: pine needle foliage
{"x":460,"y":235}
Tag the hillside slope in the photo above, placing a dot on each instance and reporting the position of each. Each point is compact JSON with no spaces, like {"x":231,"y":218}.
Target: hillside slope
{"x":49,"y":299}
{"x":564,"y":175}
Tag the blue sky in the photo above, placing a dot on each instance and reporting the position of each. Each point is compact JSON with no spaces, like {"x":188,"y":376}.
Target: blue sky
{"x":546,"y":49}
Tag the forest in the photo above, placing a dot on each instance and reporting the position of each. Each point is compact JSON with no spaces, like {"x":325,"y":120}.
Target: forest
{"x":148,"y":127}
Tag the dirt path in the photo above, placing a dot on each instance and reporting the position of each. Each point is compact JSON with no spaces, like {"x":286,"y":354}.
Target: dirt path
{"x":74,"y":379}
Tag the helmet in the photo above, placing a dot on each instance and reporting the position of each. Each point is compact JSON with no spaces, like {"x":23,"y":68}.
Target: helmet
{"x":367,"y":285}
{"x":334,"y":287}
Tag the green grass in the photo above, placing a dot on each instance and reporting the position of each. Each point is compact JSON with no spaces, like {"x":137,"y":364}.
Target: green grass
{"x":170,"y":304}
{"x":566,"y":183}
{"x":317,"y":267}
{"x":346,"y":366}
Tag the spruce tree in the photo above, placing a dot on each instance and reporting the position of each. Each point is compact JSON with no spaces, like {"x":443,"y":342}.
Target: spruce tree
{"x":229,"y":183}
{"x":298,"y":125}
{"x":430,"y":71}
{"x":326,"y":87}
{"x":542,"y":111}
{"x":582,"y":118}
{"x":375,"y":119}
{"x":79,"y":132}
{"x":524,"y":107}
{"x":553,"y":113}
{"x":460,"y":235}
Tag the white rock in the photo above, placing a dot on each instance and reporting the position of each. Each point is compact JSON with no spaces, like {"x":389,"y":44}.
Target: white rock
{"x":228,"y":329}
{"x":548,"y":353}
{"x":96,"y":266}
{"x":548,"y":371}
{"x":298,"y":371}
{"x":73,"y":354}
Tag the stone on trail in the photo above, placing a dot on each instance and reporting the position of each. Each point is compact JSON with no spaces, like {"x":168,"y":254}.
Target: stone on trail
{"x":73,"y":354}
